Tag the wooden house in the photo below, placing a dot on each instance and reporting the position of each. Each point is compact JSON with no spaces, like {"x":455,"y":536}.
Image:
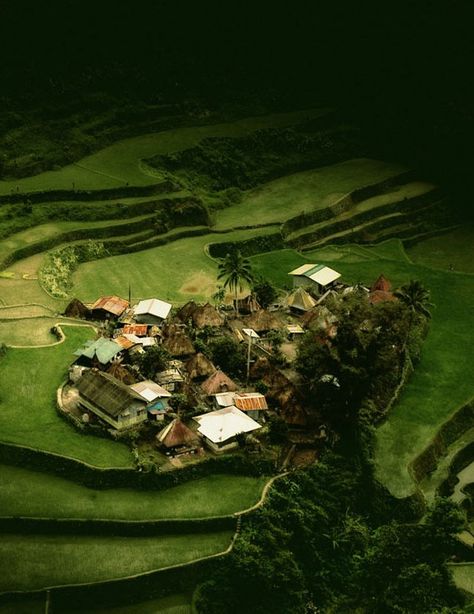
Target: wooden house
{"x":177,"y":342}
{"x":218,"y":382}
{"x":206,"y":315}
{"x":156,"y":398}
{"x":177,"y":438}
{"x":111,"y":400}
{"x":98,"y":353}
{"x":318,"y":277}
{"x":221,"y":427}
{"x":151,"y":311}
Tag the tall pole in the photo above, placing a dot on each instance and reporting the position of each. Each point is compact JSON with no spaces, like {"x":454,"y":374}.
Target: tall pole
{"x":249,"y":348}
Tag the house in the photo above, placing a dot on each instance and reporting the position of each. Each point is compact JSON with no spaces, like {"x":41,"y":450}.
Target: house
{"x":218,"y":382}
{"x":177,"y":342}
{"x":110,"y":400}
{"x":248,"y":304}
{"x":224,"y":399}
{"x":262,"y":321}
{"x":220,"y":427}
{"x":108,"y":308}
{"x":177,"y":438}
{"x":199,"y":367}
{"x":76,"y":309}
{"x":98,"y":353}
{"x":318,"y":277}
{"x":206,"y":315}
{"x":300,"y":301}
{"x":151,"y":311}
{"x":381,"y":290}
{"x":139,"y":330}
{"x":171,"y":378}
{"x":156,"y":398}
{"x":253,"y":404}
{"x":186,"y":311}
{"x":294,"y":330}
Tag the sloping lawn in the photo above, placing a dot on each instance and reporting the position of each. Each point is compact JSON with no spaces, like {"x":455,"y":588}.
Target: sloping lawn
{"x":28,"y":416}
{"x":53,"y":497}
{"x":452,"y":249}
{"x":442,"y":381}
{"x":174,"y":604}
{"x":38,"y":561}
{"x":463,"y":576}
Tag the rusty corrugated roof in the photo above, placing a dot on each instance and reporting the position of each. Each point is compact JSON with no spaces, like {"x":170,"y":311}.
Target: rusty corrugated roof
{"x":140,"y":330}
{"x":250,"y":401}
{"x":112,"y":304}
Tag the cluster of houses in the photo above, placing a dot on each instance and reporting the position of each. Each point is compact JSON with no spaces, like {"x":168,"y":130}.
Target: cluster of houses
{"x":110,"y":390}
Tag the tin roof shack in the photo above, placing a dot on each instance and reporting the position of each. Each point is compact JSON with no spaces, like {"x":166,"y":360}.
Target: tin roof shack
{"x":171,"y":378}
{"x":156,"y":398}
{"x":221,"y":427}
{"x":111,"y":400}
{"x":253,"y":404}
{"x":177,"y":438}
{"x":151,"y":311}
{"x":318,"y":277}
{"x":98,"y":353}
{"x":108,"y":308}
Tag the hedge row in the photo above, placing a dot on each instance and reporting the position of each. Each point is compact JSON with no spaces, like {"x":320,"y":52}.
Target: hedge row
{"x":86,"y":195}
{"x":407,"y":205}
{"x":94,"y":477}
{"x":452,"y":429}
{"x":462,"y":459}
{"x":125,"y":528}
{"x":343,"y":204}
{"x":249,"y":247}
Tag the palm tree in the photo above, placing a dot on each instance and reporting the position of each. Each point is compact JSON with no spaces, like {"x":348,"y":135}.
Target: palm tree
{"x":417,"y":298}
{"x":236,"y":271}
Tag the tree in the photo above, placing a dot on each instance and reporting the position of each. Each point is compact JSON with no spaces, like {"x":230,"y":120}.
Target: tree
{"x":152,"y":360}
{"x":229,"y":355}
{"x":236,"y":271}
{"x":264,"y":291}
{"x":417,"y":298}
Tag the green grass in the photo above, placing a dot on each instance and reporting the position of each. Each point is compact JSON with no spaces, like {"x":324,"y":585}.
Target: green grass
{"x":32,"y":331}
{"x":442,"y":382}
{"x":36,"y":562}
{"x":454,"y":248}
{"x":292,"y":195}
{"x":24,"y":605}
{"x":177,"y":271}
{"x":463,"y":576}
{"x":120,"y":163}
{"x":173,"y":604}
{"x":28,"y":416}
{"x":53,"y":497}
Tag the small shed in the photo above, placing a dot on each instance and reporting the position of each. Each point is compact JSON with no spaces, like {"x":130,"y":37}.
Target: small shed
{"x":199,"y":366}
{"x":316,"y":276}
{"x":221,"y":427}
{"x":108,"y":307}
{"x":248,"y":304}
{"x":151,"y":311}
{"x":177,"y":438}
{"x":218,"y":382}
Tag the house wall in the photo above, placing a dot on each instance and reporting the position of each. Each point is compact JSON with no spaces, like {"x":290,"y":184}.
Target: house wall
{"x":221,"y":448}
{"x":300,"y":281}
{"x":122,"y":422}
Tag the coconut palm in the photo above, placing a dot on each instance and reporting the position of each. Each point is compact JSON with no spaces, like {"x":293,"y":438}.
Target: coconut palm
{"x":416,"y":297}
{"x":236,"y":271}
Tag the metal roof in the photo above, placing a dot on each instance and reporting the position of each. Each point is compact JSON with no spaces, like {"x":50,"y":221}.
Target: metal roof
{"x":149,"y":390}
{"x":223,"y":424}
{"x":318,"y":273}
{"x":102,"y":348}
{"x":248,"y":401}
{"x":112,"y":304}
{"x":139,"y":330}
{"x":154,"y":307}
{"x":301,"y":300}
{"x":107,"y":393}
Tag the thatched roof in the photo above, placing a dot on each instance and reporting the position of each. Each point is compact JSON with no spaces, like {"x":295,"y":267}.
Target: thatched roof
{"x":301,"y":300}
{"x":382,"y":283}
{"x":249,"y":304}
{"x":379,"y":296}
{"x":76,"y":309}
{"x":206,"y":315}
{"x":176,"y":341}
{"x":262,"y":321}
{"x":176,"y":433}
{"x":218,"y":382}
{"x":107,"y":393}
{"x":186,"y":311}
{"x":199,"y":366}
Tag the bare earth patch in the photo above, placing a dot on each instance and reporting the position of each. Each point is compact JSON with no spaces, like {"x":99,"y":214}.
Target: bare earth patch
{"x":199,"y":283}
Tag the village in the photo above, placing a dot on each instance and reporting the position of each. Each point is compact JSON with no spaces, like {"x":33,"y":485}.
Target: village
{"x":183,"y":384}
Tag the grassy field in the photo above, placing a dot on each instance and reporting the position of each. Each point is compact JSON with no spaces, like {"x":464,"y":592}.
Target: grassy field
{"x":173,"y":604}
{"x":455,"y":248}
{"x":33,"y":331}
{"x":28,"y":416}
{"x":441,"y":382}
{"x":120,"y":163}
{"x":35,"y":562}
{"x":53,"y":497}
{"x":463,"y":576}
{"x":289,"y":196}
{"x":178,"y":271}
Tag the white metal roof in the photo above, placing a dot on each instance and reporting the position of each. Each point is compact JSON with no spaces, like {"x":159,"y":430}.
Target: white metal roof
{"x":251,"y":333}
{"x":301,"y":270}
{"x":224,"y":399}
{"x":153,"y":306}
{"x":318,"y":273}
{"x":150,"y":390}
{"x":220,"y":425}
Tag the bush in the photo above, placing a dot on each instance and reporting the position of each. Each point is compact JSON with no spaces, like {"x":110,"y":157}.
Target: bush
{"x":228,"y":355}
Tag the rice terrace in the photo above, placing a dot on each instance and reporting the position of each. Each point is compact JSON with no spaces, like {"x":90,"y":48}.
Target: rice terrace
{"x":108,"y":443}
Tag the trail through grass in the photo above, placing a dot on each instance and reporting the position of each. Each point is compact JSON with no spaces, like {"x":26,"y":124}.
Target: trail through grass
{"x":53,"y":497}
{"x":34,"y":562}
{"x":28,"y":416}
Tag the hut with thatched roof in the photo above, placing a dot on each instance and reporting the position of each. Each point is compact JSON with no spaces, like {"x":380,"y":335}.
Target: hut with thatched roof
{"x":176,"y":437}
{"x":381,"y":290}
{"x":262,"y":321}
{"x":218,"y":382}
{"x":300,"y":301}
{"x":199,"y":366}
{"x":177,"y":342}
{"x":381,"y":283}
{"x":186,"y":311}
{"x":206,"y":315}
{"x":76,"y":309}
{"x":248,"y":304}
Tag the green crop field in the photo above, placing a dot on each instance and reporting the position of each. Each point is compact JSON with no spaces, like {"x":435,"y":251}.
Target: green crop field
{"x":120,"y":163}
{"x":28,"y":416}
{"x":177,"y":271}
{"x":291,"y":195}
{"x":441,"y":382}
{"x":53,"y":497}
{"x":35,"y":562}
{"x":463,"y":576}
{"x":452,"y":249}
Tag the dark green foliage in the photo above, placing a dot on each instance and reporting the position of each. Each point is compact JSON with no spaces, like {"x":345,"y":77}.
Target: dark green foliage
{"x":228,"y":355}
{"x":189,"y":212}
{"x":264,"y":291}
{"x":277,"y":430}
{"x":153,"y":360}
{"x":236,"y":272}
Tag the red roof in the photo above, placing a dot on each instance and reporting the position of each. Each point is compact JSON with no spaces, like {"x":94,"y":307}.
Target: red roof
{"x":140,"y":330}
{"x":382,"y":284}
{"x":112,"y":304}
{"x":379,"y":296}
{"x":250,"y":401}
